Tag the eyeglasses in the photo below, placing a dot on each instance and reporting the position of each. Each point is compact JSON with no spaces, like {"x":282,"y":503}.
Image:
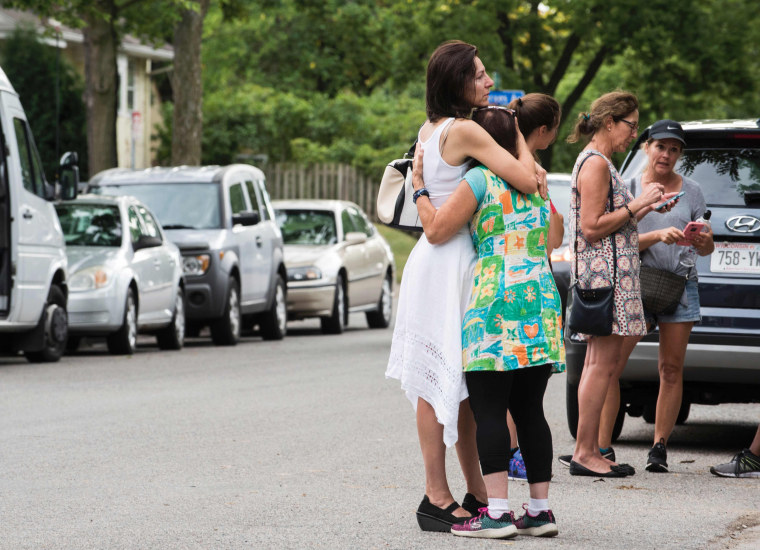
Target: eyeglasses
{"x":632,"y":125}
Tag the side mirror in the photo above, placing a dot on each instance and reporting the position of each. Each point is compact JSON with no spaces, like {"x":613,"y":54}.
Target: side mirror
{"x":246,"y":218}
{"x":355,"y":237}
{"x":146,"y":241}
{"x":69,"y":176}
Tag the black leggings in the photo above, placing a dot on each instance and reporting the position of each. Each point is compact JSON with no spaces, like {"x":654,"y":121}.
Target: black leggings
{"x":522,"y":392}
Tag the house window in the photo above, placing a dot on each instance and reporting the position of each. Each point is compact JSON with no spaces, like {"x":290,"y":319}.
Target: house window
{"x":130,"y":85}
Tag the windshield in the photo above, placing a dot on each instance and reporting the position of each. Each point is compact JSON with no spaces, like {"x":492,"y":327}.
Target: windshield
{"x":728,"y":177}
{"x":313,"y":227}
{"x":90,"y":224}
{"x":176,"y":205}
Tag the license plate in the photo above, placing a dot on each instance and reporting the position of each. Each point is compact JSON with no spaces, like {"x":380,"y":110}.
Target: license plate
{"x":736,"y":258}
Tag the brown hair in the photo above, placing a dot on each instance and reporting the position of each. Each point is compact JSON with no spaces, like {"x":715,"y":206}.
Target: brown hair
{"x":499,"y":122}
{"x":536,"y":110}
{"x":450,"y":72}
{"x":618,"y":105}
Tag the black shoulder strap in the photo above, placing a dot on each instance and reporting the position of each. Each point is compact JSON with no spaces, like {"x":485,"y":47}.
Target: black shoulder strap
{"x":577,"y":225}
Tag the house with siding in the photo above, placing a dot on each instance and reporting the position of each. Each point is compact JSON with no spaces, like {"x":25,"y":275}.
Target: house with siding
{"x":139,"y":108}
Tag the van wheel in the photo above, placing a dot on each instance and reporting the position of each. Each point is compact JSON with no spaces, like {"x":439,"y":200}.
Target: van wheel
{"x":225,"y":331}
{"x":336,"y":322}
{"x":124,"y":340}
{"x":172,"y":337}
{"x":381,"y":317}
{"x":274,"y":323}
{"x":56,"y":322}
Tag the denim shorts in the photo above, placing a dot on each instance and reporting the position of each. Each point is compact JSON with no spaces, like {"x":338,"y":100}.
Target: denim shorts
{"x":688,"y":313}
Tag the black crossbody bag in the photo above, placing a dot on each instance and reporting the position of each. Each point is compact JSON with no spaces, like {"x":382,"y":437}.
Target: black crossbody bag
{"x":590,"y":310}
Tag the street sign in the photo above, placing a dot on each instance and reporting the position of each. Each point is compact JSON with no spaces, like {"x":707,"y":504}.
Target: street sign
{"x":503,"y":97}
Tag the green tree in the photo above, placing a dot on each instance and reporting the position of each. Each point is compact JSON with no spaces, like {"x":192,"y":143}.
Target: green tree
{"x":33,"y":68}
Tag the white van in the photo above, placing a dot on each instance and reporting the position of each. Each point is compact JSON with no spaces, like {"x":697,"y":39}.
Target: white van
{"x":33,"y":288}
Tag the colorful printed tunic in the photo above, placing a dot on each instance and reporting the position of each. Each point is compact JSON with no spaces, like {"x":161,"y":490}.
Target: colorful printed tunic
{"x":514,"y":319}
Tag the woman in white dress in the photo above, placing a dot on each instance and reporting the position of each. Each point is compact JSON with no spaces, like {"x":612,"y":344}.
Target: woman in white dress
{"x":426,"y":353}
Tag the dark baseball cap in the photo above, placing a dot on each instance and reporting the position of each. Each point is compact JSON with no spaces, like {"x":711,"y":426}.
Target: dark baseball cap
{"x":667,"y":129}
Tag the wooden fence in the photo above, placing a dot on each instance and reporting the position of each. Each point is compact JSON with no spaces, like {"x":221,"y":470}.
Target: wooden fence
{"x":323,"y":181}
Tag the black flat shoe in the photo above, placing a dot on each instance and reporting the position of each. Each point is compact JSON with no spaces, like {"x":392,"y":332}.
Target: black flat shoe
{"x":432,"y":518}
{"x":472,"y":504}
{"x":621,"y":470}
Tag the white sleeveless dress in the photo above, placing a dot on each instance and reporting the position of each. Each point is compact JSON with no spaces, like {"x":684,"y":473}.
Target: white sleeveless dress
{"x":426,"y":353}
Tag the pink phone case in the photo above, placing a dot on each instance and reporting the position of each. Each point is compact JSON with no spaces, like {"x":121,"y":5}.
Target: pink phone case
{"x":691,"y":230}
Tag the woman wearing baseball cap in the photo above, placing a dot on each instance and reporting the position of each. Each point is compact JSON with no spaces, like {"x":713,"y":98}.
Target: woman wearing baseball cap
{"x":657,"y":238}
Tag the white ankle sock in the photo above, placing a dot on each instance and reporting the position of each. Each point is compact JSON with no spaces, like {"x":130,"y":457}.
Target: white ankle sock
{"x":497,"y":507}
{"x":538,"y":505}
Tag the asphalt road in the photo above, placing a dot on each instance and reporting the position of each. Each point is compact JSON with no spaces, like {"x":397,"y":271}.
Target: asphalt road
{"x":304,"y":444}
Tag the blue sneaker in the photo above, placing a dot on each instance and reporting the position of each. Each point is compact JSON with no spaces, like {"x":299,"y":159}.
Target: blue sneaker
{"x":517,"y":467}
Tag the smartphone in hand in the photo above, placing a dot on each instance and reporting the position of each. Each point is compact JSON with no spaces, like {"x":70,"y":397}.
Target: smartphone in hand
{"x":671,"y":199}
{"x":691,"y":230}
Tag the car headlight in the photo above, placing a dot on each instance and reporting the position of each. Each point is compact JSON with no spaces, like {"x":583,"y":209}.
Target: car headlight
{"x":309,"y":273}
{"x":562,"y":254}
{"x":91,"y":278}
{"x":195,"y":265}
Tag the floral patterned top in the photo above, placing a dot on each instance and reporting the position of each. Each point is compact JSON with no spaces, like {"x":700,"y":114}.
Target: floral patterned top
{"x":514,"y":319}
{"x":595,"y":260}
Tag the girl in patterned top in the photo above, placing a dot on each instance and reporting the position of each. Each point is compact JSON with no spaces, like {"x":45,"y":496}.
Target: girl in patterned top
{"x":512,"y":330}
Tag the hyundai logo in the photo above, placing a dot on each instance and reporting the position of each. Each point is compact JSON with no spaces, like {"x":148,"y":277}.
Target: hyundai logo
{"x":743,"y":224}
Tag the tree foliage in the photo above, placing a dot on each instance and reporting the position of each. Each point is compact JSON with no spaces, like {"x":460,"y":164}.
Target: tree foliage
{"x":350,"y":75}
{"x":32,"y":68}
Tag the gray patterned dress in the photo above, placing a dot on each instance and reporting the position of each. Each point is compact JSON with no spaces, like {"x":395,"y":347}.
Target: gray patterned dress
{"x":595,"y":260}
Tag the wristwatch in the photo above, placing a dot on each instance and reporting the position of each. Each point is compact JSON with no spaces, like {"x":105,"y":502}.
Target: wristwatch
{"x":417,"y":194}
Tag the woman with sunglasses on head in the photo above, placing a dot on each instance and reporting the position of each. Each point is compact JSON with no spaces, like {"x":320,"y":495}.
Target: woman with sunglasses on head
{"x":512,"y":330}
{"x":658,"y":236}
{"x":426,"y":352}
{"x":610,"y":127}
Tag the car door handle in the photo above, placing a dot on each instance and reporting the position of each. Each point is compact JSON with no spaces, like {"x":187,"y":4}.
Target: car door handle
{"x":258,"y":241}
{"x":27,"y":215}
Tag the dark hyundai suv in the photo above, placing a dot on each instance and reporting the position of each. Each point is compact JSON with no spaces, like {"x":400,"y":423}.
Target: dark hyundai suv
{"x":723,"y":356}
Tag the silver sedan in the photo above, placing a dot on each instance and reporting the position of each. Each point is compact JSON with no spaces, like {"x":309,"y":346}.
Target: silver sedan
{"x":124,"y":276}
{"x":337,"y":263}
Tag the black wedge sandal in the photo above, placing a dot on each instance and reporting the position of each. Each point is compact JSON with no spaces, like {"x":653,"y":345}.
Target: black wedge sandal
{"x":432,"y":518}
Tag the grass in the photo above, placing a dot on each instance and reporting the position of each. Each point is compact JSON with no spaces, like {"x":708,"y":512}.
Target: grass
{"x":401,"y":244}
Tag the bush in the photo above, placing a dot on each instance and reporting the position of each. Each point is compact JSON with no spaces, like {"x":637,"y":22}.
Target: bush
{"x":31,"y":67}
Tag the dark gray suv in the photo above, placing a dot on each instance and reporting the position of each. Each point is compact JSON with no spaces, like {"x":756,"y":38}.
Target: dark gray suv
{"x":723,"y":356}
{"x":222,"y":220}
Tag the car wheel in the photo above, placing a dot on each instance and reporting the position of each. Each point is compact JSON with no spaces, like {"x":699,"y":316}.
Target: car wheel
{"x":683,"y":412}
{"x":173,"y":336}
{"x":336,"y":322}
{"x":225,"y":331}
{"x":650,"y":412}
{"x":192,"y":330}
{"x":124,"y":340}
{"x":619,"y":420}
{"x":274,"y":323}
{"x":55,"y":320}
{"x":72,"y":344}
{"x":381,"y":317}
{"x":571,"y":402}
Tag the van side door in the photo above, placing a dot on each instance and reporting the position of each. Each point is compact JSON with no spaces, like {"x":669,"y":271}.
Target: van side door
{"x":40,"y":239}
